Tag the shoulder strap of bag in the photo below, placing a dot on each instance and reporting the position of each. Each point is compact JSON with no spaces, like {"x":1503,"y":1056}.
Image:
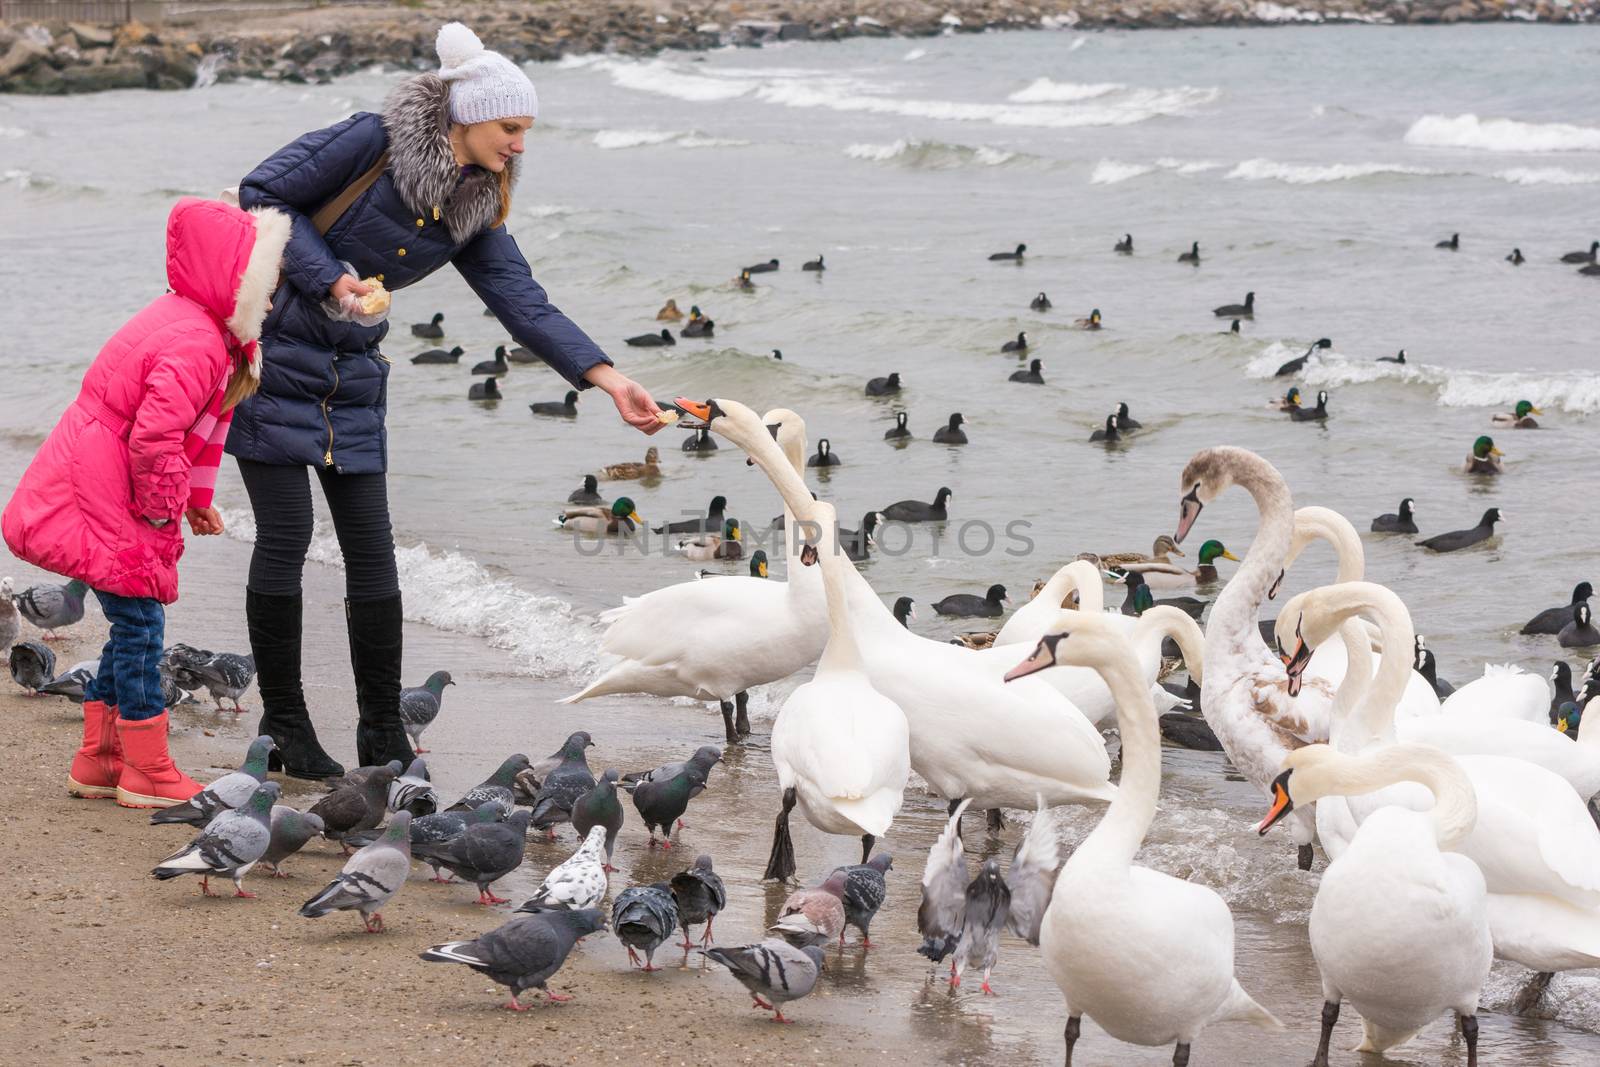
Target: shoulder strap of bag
{"x":334,"y":209}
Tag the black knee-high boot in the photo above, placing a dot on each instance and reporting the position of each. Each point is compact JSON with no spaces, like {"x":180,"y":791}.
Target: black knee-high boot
{"x":275,"y":627}
{"x":375,"y":652}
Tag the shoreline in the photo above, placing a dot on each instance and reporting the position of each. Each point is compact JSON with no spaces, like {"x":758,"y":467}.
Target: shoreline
{"x":317,"y":45}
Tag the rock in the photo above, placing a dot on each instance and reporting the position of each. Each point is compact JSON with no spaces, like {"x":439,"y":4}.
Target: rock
{"x":92,"y":36}
{"x":96,"y":79}
{"x":22,"y":56}
{"x":135,"y":32}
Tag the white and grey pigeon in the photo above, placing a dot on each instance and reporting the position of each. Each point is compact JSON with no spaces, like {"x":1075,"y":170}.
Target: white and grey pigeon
{"x":643,"y":917}
{"x":524,"y":953}
{"x":774,"y":971}
{"x":483,"y":853}
{"x":580,"y":880}
{"x":33,"y":666}
{"x":413,"y":791}
{"x":230,"y":845}
{"x":232,"y":790}
{"x":50,"y":607}
{"x":370,"y":877}
{"x":1016,"y":902}
{"x":291,"y":829}
{"x":944,"y":887}
{"x":420,"y":705}
{"x":71,"y":684}
{"x":431,"y":829}
{"x":228,"y":674}
{"x":988,"y":910}
{"x":10,"y":617}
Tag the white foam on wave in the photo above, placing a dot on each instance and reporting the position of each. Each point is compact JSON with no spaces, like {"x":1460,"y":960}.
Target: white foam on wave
{"x":931,"y":155}
{"x":451,"y":591}
{"x":619,"y":139}
{"x":913,"y":55}
{"x":1111,"y":171}
{"x":1046,"y":91}
{"x":1256,"y":170}
{"x":1453,"y":388}
{"x":1136,"y":106}
{"x":1501,"y":135}
{"x":662,"y":79}
{"x":545,"y":211}
{"x":1547,"y":176}
{"x":12,"y":132}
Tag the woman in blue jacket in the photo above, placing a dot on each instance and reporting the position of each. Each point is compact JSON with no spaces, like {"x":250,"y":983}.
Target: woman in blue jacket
{"x":449,"y":143}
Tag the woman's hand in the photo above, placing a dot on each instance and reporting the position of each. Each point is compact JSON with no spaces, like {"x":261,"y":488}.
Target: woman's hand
{"x":348,"y":285}
{"x":204,"y":521}
{"x":632,"y":399}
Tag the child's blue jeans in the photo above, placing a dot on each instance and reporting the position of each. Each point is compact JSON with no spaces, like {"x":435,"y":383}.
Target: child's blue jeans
{"x":130,"y":673}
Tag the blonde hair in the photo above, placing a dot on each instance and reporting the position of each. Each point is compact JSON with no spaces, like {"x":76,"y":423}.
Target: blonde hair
{"x":505,"y":198}
{"x":241,"y":383}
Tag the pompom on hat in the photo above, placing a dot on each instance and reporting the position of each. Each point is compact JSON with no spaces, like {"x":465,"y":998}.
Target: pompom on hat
{"x":484,"y":86}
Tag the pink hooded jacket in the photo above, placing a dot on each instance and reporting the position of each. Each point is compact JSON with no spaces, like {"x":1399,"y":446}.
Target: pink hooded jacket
{"x":117,"y":456}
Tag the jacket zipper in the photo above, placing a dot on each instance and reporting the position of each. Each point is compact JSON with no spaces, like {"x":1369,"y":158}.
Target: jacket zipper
{"x":327,"y":457}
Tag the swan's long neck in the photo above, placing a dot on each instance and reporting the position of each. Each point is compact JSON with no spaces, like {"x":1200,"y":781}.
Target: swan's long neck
{"x":1345,"y":729}
{"x":1314,"y":522}
{"x":1233,"y":616}
{"x":1338,"y":603}
{"x":1455,"y":804}
{"x":1168,"y":621}
{"x":842,"y":652}
{"x":1071,"y":578}
{"x":1122,"y":830}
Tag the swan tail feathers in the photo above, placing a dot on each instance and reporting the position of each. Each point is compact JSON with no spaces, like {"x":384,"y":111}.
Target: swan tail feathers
{"x":1241,"y":1007}
{"x":1375,"y":1038}
{"x":873,"y":813}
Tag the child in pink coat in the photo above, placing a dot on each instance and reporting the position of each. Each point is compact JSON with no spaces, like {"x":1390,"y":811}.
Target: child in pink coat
{"x":135,"y":452}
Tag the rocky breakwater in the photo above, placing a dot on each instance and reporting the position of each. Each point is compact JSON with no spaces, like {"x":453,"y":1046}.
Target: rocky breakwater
{"x":318,"y":44}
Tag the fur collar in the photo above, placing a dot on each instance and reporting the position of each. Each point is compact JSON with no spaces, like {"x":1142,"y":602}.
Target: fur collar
{"x":416,"y":117}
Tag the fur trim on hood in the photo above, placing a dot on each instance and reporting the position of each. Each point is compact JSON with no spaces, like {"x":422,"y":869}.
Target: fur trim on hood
{"x":424,"y":169}
{"x":254,"y":295}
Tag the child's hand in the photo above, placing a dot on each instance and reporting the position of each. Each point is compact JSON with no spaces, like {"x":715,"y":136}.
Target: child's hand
{"x":204,"y":521}
{"x":348,"y":285}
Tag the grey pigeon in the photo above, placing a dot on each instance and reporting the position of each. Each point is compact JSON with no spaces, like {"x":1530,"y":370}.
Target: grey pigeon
{"x":71,"y":684}
{"x":773,"y":969}
{"x":179,"y":662}
{"x":358,"y":776}
{"x":432,"y":829}
{"x":496,"y":787}
{"x":230,"y":844}
{"x":600,"y":807}
{"x":370,"y":877}
{"x":10,"y":617}
{"x":564,"y":785}
{"x":580,"y":880}
{"x":355,"y":807}
{"x":529,"y":780}
{"x":944,"y":887}
{"x":662,"y":796}
{"x":482,"y":853}
{"x":864,"y":893}
{"x":643,"y":917}
{"x":419,"y":706}
{"x":524,"y":953}
{"x":813,"y":916}
{"x":232,"y":790}
{"x":988,"y":911}
{"x":700,"y":895}
{"x":50,"y":607}
{"x":291,"y":830}
{"x":705,"y":757}
{"x":32,"y":666}
{"x":222,"y":674}
{"x":413,"y":791}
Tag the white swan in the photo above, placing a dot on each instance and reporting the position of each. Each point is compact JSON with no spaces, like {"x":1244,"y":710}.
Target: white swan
{"x":715,"y":640}
{"x":1400,"y":925}
{"x":971,"y":735}
{"x":1505,"y":691}
{"x":1147,"y":956}
{"x":1029,"y":622}
{"x":841,"y":748}
{"x":1245,"y":697}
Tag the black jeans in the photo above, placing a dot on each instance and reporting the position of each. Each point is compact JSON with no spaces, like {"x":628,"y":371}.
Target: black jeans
{"x":280,"y":496}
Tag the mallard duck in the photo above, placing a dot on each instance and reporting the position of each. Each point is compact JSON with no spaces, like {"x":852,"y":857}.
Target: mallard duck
{"x":1485,"y":458}
{"x":620,"y":518}
{"x":698,"y":325}
{"x":1519,"y":419}
{"x":726,"y":545}
{"x":1162,"y":552}
{"x":758,"y":567}
{"x":1090,"y":323}
{"x":743,"y":281}
{"x":1289,"y":401}
{"x":622,"y":472}
{"x":669,"y":312}
{"x":1210,"y":552}
{"x":977,"y":640}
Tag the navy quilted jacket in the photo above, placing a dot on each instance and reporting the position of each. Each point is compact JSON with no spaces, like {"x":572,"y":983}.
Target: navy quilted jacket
{"x":324,"y":383}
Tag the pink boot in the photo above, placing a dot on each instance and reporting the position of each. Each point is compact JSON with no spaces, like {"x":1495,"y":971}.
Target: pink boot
{"x":149,"y":778}
{"x":97,"y":768}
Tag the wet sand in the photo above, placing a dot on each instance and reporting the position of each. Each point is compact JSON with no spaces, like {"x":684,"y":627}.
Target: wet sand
{"x":119,"y":966}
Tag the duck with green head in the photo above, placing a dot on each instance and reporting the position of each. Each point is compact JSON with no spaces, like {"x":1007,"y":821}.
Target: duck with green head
{"x":1485,"y":458}
{"x":1522,"y":418}
{"x":1210,"y":552}
{"x":621,"y":518}
{"x":726,"y":545}
{"x":1290,"y":401}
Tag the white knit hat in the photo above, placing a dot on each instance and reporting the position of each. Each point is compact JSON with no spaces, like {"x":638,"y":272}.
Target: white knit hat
{"x":484,"y":85}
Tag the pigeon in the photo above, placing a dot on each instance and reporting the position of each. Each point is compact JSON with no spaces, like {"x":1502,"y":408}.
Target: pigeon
{"x":291,"y":830}
{"x":643,"y":917}
{"x":772,"y":969}
{"x":988,"y":908}
{"x":358,"y":777}
{"x":864,"y":893}
{"x":580,"y":880}
{"x":432,"y":829}
{"x":522,"y":954}
{"x":662,"y":801}
{"x":813,"y":915}
{"x":33,"y":666}
{"x":71,"y":684}
{"x":560,"y":789}
{"x":222,"y":674}
{"x":355,"y":807}
{"x":600,"y":807}
{"x":369,"y":878}
{"x":1032,"y":875}
{"x":10,"y":617}
{"x":483,"y":853}
{"x":421,"y":705}
{"x":700,"y":895}
{"x":232,"y":790}
{"x":413,"y":792}
{"x":230,"y":844}
{"x":50,"y":607}
{"x":496,"y":787}
{"x":944,"y":882}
